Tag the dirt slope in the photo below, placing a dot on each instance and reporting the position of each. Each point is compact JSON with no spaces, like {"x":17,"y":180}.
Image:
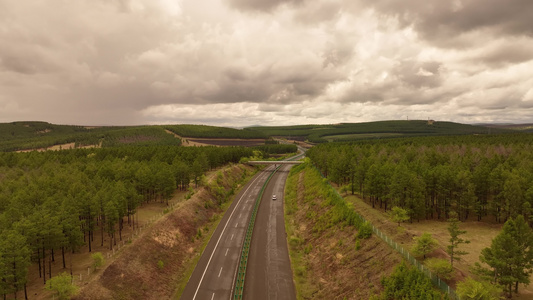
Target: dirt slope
{"x":328,"y":264}
{"x":151,"y":266}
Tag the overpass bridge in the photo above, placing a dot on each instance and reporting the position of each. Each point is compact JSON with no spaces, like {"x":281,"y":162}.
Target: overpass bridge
{"x":275,"y":162}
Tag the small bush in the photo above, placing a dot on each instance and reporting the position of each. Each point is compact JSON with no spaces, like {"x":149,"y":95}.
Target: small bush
{"x":294,"y":241}
{"x":365,"y":230}
{"x":160,"y":264}
{"x":471,"y":289}
{"x":98,"y":260}
{"x":357,"y":245}
{"x":62,"y":284}
{"x":441,"y":267}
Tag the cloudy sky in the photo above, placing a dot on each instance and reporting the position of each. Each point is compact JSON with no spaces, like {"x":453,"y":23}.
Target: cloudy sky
{"x":268,"y":62}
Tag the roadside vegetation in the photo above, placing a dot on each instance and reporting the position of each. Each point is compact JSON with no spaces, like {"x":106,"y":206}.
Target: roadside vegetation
{"x":53,"y":203}
{"x":455,"y":192}
{"x":333,"y":253}
{"x":160,"y":261}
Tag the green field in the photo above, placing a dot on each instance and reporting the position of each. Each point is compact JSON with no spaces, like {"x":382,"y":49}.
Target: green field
{"x":204,"y":131}
{"x":357,"y":136}
{"x":17,"y":136}
{"x":357,"y":131}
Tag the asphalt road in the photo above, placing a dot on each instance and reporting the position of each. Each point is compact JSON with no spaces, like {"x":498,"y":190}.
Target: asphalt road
{"x":268,"y":273}
{"x":214,"y":275}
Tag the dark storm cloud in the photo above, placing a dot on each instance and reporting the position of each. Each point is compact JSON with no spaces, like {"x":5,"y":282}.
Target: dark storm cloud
{"x":274,"y":85}
{"x":263,"y":61}
{"x":438,"y":20}
{"x":260,"y":5}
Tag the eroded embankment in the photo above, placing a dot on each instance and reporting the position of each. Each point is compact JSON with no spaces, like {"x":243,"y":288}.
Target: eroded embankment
{"x":154,"y":264}
{"x":329,"y":261}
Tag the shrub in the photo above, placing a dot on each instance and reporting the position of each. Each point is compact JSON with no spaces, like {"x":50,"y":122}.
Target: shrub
{"x":62,"y":284}
{"x":408,"y":283}
{"x":98,"y":260}
{"x":365,"y":230}
{"x":472,"y":289}
{"x":441,"y":267}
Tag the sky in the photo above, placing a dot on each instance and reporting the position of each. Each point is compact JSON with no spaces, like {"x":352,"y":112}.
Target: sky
{"x":265,"y":62}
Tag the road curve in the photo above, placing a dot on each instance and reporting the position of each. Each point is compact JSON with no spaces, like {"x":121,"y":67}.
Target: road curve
{"x":213,"y":277}
{"x":269,"y":274}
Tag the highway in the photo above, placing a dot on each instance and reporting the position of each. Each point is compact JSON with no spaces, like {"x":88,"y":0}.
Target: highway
{"x":269,"y":274}
{"x":214,"y":275}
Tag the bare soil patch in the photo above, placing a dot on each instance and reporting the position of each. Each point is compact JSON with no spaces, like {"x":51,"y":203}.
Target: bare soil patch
{"x":61,"y":147}
{"x":331,"y":262}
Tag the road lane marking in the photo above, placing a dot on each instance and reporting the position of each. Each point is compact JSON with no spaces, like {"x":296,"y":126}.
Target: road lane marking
{"x":236,"y":225}
{"x":220,"y":237}
{"x":232,"y":236}
{"x":220,"y":272}
{"x":226,"y":252}
{"x":213,"y":297}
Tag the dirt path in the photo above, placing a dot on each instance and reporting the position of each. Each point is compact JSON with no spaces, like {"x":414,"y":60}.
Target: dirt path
{"x":184,"y":141}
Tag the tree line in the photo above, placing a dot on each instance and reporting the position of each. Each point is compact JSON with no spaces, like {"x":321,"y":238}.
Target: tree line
{"x":53,"y":203}
{"x":346,"y":131}
{"x":205,"y":131}
{"x":479,"y":177}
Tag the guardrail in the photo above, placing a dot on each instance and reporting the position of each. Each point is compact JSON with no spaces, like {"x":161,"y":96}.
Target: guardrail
{"x":243,"y":261}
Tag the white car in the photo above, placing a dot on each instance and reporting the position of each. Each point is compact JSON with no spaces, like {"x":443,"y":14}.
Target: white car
{"x":274,"y":197}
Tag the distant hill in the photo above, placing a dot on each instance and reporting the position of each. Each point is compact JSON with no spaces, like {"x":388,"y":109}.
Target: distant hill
{"x":205,"y":131}
{"x":373,"y":130}
{"x":29,"y":135}
{"x":17,"y":136}
{"x":528,"y":127}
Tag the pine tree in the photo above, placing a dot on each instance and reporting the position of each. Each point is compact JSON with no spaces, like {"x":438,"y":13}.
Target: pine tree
{"x":15,"y":260}
{"x":399,"y":214}
{"x":511,"y":255}
{"x":424,"y":244}
{"x":455,"y":239}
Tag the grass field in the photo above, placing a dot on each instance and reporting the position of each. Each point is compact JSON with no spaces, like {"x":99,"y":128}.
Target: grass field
{"x":357,"y":136}
{"x":392,"y":128}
